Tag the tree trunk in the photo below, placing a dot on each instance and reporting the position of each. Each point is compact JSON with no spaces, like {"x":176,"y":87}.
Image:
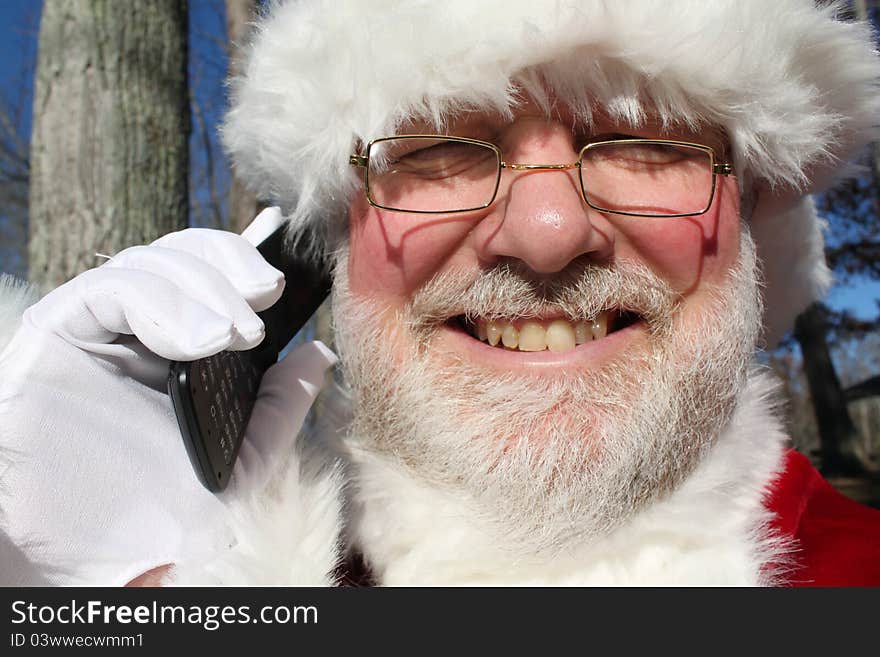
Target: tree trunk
{"x":243,"y":205}
{"x":109,"y":148}
{"x":837,"y":433}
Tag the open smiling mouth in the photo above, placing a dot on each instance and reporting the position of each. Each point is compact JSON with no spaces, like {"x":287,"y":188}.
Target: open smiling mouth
{"x":552,"y":334}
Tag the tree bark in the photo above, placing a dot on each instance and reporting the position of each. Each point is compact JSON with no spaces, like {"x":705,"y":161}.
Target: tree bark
{"x":109,"y":148}
{"x":837,"y":433}
{"x":243,"y":204}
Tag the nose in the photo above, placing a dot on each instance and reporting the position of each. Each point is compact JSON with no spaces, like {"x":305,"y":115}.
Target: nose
{"x":539,"y":216}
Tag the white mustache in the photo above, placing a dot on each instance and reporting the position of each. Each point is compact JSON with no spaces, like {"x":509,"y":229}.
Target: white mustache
{"x":511,"y":291}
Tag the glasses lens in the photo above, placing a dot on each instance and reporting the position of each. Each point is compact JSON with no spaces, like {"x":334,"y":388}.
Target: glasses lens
{"x":647,"y":178}
{"x":432,"y":174}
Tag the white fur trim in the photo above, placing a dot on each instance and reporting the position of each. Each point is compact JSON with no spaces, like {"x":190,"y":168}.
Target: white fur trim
{"x":288,"y":536}
{"x":713,"y":530}
{"x":15,"y":296}
{"x":795,"y":89}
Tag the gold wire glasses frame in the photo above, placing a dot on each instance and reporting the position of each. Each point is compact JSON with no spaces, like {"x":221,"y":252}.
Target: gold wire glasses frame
{"x":716,"y":168}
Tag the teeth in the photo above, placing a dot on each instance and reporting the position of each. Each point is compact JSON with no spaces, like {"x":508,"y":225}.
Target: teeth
{"x":493,"y":331}
{"x":600,"y":326}
{"x":532,"y":337}
{"x":559,"y":335}
{"x":510,"y":336}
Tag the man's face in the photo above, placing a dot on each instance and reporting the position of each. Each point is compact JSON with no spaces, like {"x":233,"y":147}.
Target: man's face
{"x":568,"y":440}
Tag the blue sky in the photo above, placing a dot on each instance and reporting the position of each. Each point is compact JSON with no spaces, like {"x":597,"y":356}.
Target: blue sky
{"x":19,"y":22}
{"x":860,"y":298}
{"x":18,"y":32}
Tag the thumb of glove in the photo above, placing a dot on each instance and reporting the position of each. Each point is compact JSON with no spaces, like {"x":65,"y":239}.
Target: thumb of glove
{"x":287,"y":391}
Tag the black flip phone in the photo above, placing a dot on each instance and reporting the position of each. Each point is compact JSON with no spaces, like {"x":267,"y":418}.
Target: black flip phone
{"x":213,"y":397}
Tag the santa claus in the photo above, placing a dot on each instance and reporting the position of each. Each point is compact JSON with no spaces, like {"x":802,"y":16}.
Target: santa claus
{"x":557,"y":233}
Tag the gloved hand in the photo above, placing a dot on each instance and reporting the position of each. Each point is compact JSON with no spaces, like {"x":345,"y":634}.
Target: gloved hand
{"x":95,"y":483}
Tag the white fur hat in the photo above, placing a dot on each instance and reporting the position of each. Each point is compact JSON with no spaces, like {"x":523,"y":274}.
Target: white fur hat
{"x":794,"y":88}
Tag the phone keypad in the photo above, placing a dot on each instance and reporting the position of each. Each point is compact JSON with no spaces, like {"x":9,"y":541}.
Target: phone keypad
{"x":225,"y":385}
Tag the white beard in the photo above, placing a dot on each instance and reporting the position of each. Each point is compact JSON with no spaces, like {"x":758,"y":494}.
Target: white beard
{"x":546,"y":467}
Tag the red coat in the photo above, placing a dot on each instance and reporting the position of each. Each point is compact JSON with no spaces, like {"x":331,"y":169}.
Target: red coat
{"x":838,"y":540}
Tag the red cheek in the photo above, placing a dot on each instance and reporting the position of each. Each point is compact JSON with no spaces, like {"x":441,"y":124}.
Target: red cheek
{"x":686,"y":251}
{"x":395,"y":253}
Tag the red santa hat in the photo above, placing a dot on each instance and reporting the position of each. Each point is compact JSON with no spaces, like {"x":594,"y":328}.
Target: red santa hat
{"x":793,"y":86}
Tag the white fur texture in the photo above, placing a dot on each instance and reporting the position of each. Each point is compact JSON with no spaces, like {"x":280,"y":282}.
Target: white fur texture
{"x":15,"y":296}
{"x":288,"y":536}
{"x":712,"y":531}
{"x":794,"y":88}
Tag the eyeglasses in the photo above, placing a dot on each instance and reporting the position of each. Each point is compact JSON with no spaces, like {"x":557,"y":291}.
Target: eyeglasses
{"x":438,"y":174}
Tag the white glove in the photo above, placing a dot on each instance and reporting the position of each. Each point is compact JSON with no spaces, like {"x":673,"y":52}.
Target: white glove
{"x":95,"y":483}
